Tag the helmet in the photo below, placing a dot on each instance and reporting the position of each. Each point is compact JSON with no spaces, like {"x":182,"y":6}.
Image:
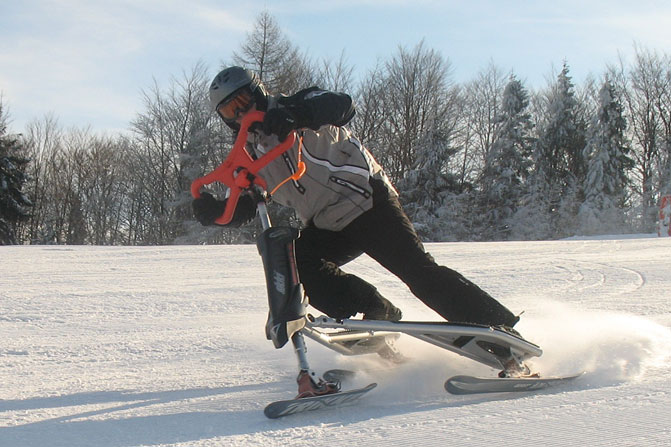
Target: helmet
{"x":231,"y":80}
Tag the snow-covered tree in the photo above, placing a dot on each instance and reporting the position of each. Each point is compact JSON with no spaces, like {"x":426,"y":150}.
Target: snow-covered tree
{"x":560,"y":167}
{"x":13,"y":202}
{"x":425,"y":189}
{"x":532,"y":220}
{"x":608,"y":158}
{"x":507,"y":164}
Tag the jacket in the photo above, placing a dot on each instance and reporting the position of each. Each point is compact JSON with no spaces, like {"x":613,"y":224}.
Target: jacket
{"x":335,"y":188}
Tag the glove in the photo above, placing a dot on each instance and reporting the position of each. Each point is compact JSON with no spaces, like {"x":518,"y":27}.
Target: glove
{"x":207,"y":209}
{"x":281,"y":121}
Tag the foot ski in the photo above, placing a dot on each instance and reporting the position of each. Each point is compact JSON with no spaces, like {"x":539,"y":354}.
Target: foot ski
{"x":474,"y":385}
{"x":286,"y":407}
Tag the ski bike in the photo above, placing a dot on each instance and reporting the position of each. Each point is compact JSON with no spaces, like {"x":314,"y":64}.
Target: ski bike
{"x":288,"y":319}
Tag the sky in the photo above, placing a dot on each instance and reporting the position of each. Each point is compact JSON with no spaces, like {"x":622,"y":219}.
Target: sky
{"x":87,"y":62}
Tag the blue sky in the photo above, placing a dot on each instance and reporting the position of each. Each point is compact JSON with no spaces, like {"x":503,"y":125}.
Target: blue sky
{"x":87,"y":61}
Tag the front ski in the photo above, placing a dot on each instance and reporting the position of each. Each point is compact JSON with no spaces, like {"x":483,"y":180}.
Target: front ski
{"x":475,"y":385}
{"x":281,"y":408}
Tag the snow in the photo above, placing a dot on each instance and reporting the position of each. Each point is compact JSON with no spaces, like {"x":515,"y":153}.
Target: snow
{"x":117,"y":346}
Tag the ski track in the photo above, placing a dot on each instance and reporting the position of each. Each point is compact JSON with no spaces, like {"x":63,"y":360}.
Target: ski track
{"x":164,"y":346}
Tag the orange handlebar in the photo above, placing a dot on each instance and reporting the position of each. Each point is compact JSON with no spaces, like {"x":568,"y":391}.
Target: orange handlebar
{"x":240,"y":171}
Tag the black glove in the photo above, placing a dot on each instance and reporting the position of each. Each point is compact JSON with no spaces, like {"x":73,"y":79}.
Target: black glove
{"x":281,"y":121}
{"x":207,"y":209}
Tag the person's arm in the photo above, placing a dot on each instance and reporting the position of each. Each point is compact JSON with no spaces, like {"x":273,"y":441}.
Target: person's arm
{"x":312,"y":108}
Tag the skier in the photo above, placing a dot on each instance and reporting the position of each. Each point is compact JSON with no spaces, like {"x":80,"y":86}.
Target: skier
{"x":346,"y":202}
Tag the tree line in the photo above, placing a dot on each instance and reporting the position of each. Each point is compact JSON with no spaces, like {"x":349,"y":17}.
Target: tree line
{"x":487,"y":159}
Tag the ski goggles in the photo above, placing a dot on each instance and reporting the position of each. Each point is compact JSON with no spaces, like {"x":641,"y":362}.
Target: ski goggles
{"x":237,"y":105}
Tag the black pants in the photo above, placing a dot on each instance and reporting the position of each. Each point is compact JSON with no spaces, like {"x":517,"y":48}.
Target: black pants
{"x":386,"y":234}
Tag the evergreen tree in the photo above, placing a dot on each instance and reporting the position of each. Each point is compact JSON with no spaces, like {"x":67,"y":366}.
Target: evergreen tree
{"x":507,"y":165}
{"x":424,"y":188}
{"x":608,"y":158}
{"x":532,"y":220}
{"x":560,"y":167}
{"x":13,"y":202}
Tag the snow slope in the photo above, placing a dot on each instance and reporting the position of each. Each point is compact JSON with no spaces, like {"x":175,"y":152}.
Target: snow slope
{"x":111,"y":346}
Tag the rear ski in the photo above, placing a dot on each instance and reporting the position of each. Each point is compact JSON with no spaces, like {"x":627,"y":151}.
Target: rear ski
{"x":478,"y":385}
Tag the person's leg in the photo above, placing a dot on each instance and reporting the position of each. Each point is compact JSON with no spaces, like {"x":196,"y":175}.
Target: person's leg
{"x":319,"y":255}
{"x":386,"y":234}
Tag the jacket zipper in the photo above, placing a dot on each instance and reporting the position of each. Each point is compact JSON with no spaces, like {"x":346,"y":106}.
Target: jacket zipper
{"x":292,"y":169}
{"x":349,"y":185}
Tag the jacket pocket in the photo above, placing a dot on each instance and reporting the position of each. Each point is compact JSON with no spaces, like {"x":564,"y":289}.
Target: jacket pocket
{"x":352,"y":186}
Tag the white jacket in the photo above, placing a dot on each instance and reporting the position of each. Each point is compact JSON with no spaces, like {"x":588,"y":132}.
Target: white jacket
{"x":335,"y":188}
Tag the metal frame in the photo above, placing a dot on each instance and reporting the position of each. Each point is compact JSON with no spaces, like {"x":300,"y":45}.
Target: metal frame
{"x":469,"y":340}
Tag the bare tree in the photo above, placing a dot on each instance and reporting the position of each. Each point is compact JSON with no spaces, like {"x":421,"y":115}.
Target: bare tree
{"x":42,"y":139}
{"x":105,"y":191}
{"x":279,"y":64}
{"x":171,"y":136}
{"x":645,"y":86}
{"x":481,"y":103}
{"x":336,"y":75}
{"x":369,"y":119}
{"x":417,"y":98}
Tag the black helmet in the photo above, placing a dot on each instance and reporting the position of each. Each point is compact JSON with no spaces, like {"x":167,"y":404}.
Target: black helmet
{"x":233,"y":79}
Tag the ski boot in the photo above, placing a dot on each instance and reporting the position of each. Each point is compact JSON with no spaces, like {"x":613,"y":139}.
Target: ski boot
{"x":307,"y":387}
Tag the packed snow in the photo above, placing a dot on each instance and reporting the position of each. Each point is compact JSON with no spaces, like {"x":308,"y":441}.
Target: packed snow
{"x":119,"y":346}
